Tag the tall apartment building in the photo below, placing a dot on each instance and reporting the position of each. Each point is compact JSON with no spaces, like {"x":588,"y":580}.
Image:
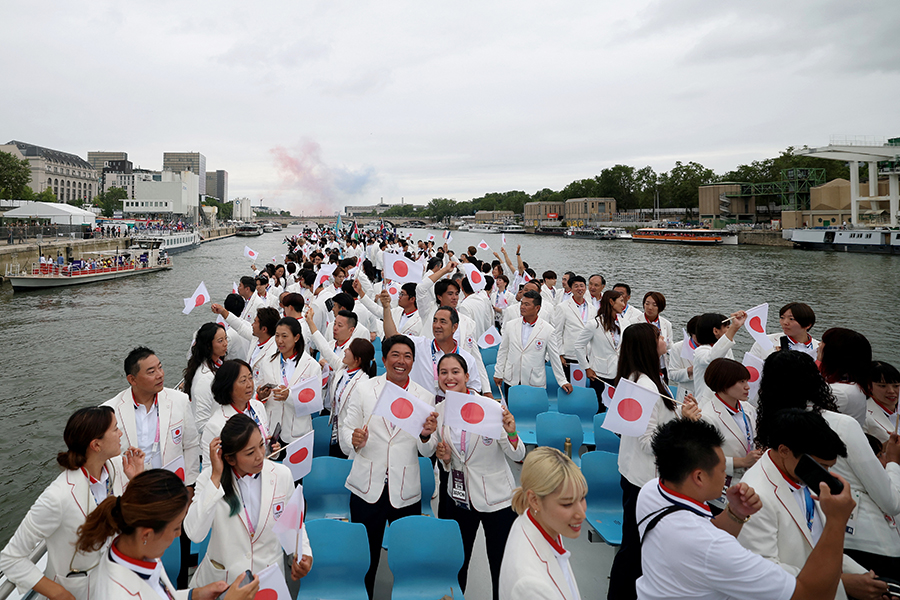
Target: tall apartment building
{"x":69,"y":176}
{"x":187,"y":161}
{"x":99,"y":159}
{"x":217,"y":185}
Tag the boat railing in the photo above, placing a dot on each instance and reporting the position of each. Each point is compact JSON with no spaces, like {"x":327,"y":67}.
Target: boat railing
{"x":7,"y":588}
{"x":69,"y":270}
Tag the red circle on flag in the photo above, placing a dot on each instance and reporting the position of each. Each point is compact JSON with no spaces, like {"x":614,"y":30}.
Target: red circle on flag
{"x":180,"y":473}
{"x":392,"y":291}
{"x":476,"y":277}
{"x":471,"y":412}
{"x":630,"y":409}
{"x":401,"y":408}
{"x":578,"y":375}
{"x":306,"y":395}
{"x":754,"y":374}
{"x":401,"y":269}
{"x":299,"y":457}
{"x":610,"y":391}
{"x":200,"y":300}
{"x":483,"y":246}
{"x":756,"y":325}
{"x":266,"y":594}
{"x":489,"y":339}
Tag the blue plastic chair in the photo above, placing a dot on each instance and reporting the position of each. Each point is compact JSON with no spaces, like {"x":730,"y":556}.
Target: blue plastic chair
{"x":604,"y":439}
{"x":525,"y":403}
{"x":322,"y":436}
{"x":489,"y":355}
{"x":377,"y":344}
{"x":495,"y":389}
{"x":553,"y":429}
{"x":341,"y":561}
{"x":426,"y":474}
{"x":425,"y":570}
{"x":171,"y":559}
{"x":604,"y":498}
{"x":552,"y":385}
{"x":324,"y":491}
{"x":582,"y":402}
{"x":199,"y":550}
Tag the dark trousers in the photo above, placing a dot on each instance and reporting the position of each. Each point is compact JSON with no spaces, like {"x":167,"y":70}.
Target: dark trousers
{"x":599,"y":387}
{"x":186,"y":562}
{"x":884,"y":566}
{"x":496,"y":530}
{"x":626,"y":567}
{"x":374,"y":516}
{"x":335,"y":451}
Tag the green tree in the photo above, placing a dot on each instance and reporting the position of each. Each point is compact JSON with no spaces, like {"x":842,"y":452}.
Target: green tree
{"x":46,"y":196}
{"x":14,"y":176}
{"x":111,"y":200}
{"x":619,"y":182}
{"x":679,"y":187}
{"x":440,"y":208}
{"x":646,"y":182}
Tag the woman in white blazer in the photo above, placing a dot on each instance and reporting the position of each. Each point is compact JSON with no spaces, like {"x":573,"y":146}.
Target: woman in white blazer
{"x":642,"y":345}
{"x":792,"y":380}
{"x":845,"y":359}
{"x":550,"y":503}
{"x":237,"y":501}
{"x":285,"y":369}
{"x":597,"y":346}
{"x":207,"y":353}
{"x":233,"y":394}
{"x":654,"y":304}
{"x":681,"y":369}
{"x":93,"y":470}
{"x":881,"y":408}
{"x":715,"y":339}
{"x":145,"y":521}
{"x":796,"y":319}
{"x":480,"y":489}
{"x":357,"y":364}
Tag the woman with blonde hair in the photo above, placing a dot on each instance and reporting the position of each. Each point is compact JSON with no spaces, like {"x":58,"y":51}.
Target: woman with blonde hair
{"x":550,"y":503}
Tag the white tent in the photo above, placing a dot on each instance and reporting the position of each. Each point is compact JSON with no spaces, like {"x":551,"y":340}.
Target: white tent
{"x":60,"y":214}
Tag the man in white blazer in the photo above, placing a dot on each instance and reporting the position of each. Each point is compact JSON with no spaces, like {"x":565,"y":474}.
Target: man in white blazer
{"x":384,"y":479}
{"x":528,"y":342}
{"x":406,"y":315}
{"x":630,"y":315}
{"x":252,"y":302}
{"x":261,"y":335}
{"x":569,"y":319}
{"x":790,"y":523}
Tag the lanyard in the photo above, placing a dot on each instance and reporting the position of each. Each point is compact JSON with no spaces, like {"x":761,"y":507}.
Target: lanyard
{"x":342,"y":385}
{"x":252,"y":414}
{"x":109,"y":483}
{"x":748,"y":432}
{"x":283,"y":373}
{"x":434,"y":351}
{"x":250,"y":526}
{"x":137,"y":406}
{"x":810,"y":507}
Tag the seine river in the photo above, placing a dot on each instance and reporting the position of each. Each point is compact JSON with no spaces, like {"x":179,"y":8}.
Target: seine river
{"x":63,"y":349}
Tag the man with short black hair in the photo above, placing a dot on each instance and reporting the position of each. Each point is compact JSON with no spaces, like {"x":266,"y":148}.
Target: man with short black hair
{"x":247,"y":291}
{"x":569,"y":320}
{"x":630,"y":315}
{"x":549,"y":293}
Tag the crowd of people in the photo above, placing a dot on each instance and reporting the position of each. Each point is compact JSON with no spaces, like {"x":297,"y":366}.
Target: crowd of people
{"x":716,"y":493}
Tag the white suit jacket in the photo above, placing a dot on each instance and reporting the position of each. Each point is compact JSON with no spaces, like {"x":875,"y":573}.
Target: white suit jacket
{"x":230,"y":542}
{"x":677,"y":367}
{"x":217,"y":419}
{"x":55,"y":518}
{"x":775,"y":338}
{"x":117,"y":581}
{"x":704,"y":355}
{"x":595,"y":348}
{"x":525,"y":366}
{"x":530,"y":570}
{"x":250,"y":308}
{"x":201,"y":394}
{"x":716,"y":413}
{"x":478,"y":308}
{"x":292,"y":427}
{"x":568,"y":325}
{"x":178,"y":434}
{"x":413,"y":325}
{"x":389,"y":452}
{"x":636,"y":461}
{"x":246,"y":331}
{"x":778,"y":531}
{"x":877,"y":423}
{"x":468,"y":341}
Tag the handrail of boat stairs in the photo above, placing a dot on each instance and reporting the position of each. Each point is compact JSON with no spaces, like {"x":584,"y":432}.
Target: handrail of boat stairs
{"x":7,"y":588}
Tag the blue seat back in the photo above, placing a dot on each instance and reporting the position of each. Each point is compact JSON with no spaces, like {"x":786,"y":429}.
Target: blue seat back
{"x":425,"y":570}
{"x":601,"y":471}
{"x":489,"y":355}
{"x":426,"y":474}
{"x":322,"y":436}
{"x":526,"y":402}
{"x":604,"y":439}
{"x":552,"y":384}
{"x":582,"y":402}
{"x":323,"y":488}
{"x":553,"y":428}
{"x":341,"y":561}
{"x":171,"y":559}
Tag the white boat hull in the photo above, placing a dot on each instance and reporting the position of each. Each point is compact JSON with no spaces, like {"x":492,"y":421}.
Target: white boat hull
{"x":36,"y":282}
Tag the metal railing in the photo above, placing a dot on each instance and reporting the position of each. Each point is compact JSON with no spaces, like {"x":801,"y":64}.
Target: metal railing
{"x":8,"y":588}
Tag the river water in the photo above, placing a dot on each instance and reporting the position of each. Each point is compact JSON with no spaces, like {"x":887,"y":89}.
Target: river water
{"x":63,"y":349}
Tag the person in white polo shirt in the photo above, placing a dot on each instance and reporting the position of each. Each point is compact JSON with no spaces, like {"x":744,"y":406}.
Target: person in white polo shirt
{"x":688,"y":555}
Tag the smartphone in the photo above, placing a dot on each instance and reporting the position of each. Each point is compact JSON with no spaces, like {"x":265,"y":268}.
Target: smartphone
{"x":248,"y":577}
{"x":893,"y":586}
{"x":812,"y":474}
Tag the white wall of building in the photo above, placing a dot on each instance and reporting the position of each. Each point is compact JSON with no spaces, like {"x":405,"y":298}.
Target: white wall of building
{"x":177,"y":194}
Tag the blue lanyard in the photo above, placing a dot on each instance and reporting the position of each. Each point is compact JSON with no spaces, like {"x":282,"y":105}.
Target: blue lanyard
{"x":747,"y":429}
{"x":810,"y":508}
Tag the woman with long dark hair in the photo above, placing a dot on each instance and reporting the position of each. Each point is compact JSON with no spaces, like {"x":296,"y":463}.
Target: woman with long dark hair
{"x":92,"y":470}
{"x":232,"y":390}
{"x":642,"y":346}
{"x":357,"y":365}
{"x":845,"y":360}
{"x":207,"y":354}
{"x":597,"y":348}
{"x":236,"y":502}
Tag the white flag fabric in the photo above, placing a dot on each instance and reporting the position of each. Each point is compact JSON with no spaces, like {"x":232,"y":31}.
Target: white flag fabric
{"x":526,"y":277}
{"x":688,"y":347}
{"x":608,"y":394}
{"x":476,"y":278}
{"x":483,"y":245}
{"x":754,"y":364}
{"x":177,"y":464}
{"x":272,"y":585}
{"x":221,"y":321}
{"x":430,"y":237}
{"x":399,"y":268}
{"x":489,"y":338}
{"x":630,"y":409}
{"x":502,"y":239}
{"x":325,"y":271}
{"x":404,"y":410}
{"x":234,"y":289}
{"x":447,"y":234}
{"x":299,"y":455}
{"x":577,"y":375}
{"x":250,"y":253}
{"x":306,"y":396}
{"x":289,"y":520}
{"x":199,"y":298}
{"x":475,"y":414}
{"x":756,"y":325}
{"x":393,"y":290}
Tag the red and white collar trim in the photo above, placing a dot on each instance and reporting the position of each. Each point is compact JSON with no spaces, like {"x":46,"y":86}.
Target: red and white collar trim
{"x":795,"y":342}
{"x":555,"y":544}
{"x":794,"y":485}
{"x":135,"y":564}
{"x":731,"y":411}
{"x":91,"y":478}
{"x":155,"y":400}
{"x":411,"y":313}
{"x":687,"y":502}
{"x":889,"y":413}
{"x":531,"y":323}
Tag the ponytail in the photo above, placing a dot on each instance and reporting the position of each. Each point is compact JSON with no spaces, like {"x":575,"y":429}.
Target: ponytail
{"x":365,"y":352}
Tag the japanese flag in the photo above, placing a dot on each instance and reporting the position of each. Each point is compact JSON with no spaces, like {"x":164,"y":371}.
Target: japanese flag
{"x":526,"y":277}
{"x":300,"y":455}
{"x":272,"y":585}
{"x":577,"y":375}
{"x":306,"y":396}
{"x":234,"y":289}
{"x":608,"y":394}
{"x":325,"y":272}
{"x":399,"y":268}
{"x":630,"y":409}
{"x":176,"y":466}
{"x":221,"y":321}
{"x":430,"y":237}
{"x":476,"y":277}
{"x":475,"y":414}
{"x":754,"y":364}
{"x":502,"y":239}
{"x":688,"y":346}
{"x":489,"y":338}
{"x":404,"y":410}
{"x":289,"y":520}
{"x":250,"y":253}
{"x":756,"y":325}
{"x":199,"y":298}
{"x":503,"y":302}
{"x":483,"y":245}
{"x":393,"y":289}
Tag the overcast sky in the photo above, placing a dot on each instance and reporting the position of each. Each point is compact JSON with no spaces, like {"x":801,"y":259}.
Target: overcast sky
{"x":313,"y":105}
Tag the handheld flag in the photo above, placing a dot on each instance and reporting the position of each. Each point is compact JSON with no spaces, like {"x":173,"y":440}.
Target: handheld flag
{"x":754,"y":364}
{"x":325,"y":272}
{"x":475,"y":414}
{"x":400,"y":268}
{"x":688,"y":346}
{"x":199,"y":298}
{"x":608,"y":395}
{"x":404,"y":410}
{"x":756,"y":325}
{"x":250,"y":253}
{"x":272,"y":585}
{"x":289,"y":520}
{"x":306,"y":396}
{"x":430,"y":237}
{"x":447,"y":234}
{"x":502,"y":239}
{"x":221,"y":321}
{"x":630,"y":409}
{"x":483,"y":245}
{"x":177,"y":465}
{"x":393,"y":290}
{"x":577,"y":375}
{"x":299,"y":456}
{"x":489,"y":338}
{"x":476,"y":278}
{"x":234,"y":289}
